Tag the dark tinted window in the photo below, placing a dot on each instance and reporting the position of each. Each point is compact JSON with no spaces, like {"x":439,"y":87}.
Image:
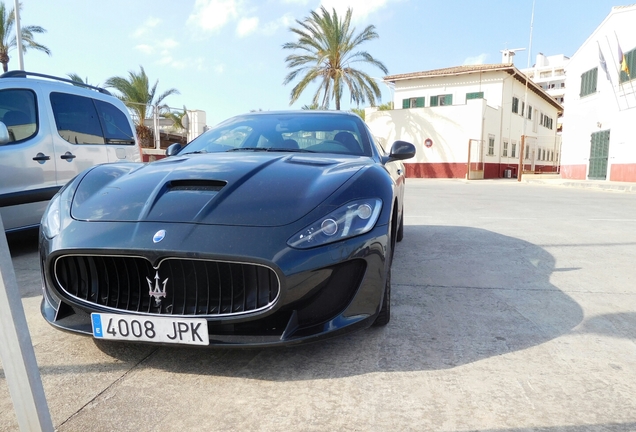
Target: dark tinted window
{"x":18,"y":113}
{"x":76,"y":119}
{"x":316,"y":133}
{"x":114,"y":123}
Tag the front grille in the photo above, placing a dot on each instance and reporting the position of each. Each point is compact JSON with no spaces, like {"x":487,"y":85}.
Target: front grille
{"x":192,"y":287}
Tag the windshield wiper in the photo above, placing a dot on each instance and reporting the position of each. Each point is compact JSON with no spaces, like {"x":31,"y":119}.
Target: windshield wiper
{"x":271,"y":149}
{"x":292,"y":150}
{"x":195,"y":152}
{"x":247,"y":149}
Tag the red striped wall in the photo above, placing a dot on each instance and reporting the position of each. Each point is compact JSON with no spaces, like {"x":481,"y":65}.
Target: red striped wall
{"x":623,"y":172}
{"x":574,"y":172}
{"x":458,"y":170}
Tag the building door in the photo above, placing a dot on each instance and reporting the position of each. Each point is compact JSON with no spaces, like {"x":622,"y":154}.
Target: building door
{"x":599,"y":152}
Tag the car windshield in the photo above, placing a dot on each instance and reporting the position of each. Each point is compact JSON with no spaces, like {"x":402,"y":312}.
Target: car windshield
{"x":303,"y":132}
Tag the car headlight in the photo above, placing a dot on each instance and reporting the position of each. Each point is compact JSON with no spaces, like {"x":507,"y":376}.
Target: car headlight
{"x":51,"y":220}
{"x":352,"y":219}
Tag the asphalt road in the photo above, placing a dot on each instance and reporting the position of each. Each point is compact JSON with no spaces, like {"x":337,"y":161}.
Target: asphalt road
{"x":514,"y":309}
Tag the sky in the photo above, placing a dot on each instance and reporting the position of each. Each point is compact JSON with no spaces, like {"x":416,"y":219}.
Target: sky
{"x":225,"y":57}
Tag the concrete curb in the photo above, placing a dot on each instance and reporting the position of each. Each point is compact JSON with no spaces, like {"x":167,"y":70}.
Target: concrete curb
{"x":587,"y":184}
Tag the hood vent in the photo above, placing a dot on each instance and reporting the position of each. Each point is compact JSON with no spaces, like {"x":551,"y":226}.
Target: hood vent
{"x":196,"y":185}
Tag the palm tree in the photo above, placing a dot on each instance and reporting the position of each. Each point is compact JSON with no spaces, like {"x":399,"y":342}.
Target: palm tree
{"x":8,"y":40}
{"x":177,"y":118}
{"x":139,"y":97}
{"x":78,"y":79}
{"x":327,"y":49}
{"x":136,"y":93}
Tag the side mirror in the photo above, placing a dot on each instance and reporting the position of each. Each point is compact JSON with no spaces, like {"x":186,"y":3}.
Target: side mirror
{"x":401,"y":150}
{"x":173,"y":149}
{"x":4,"y":134}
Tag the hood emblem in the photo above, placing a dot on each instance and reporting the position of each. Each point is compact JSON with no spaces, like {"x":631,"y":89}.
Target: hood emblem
{"x":159,"y":235}
{"x":158,"y":290}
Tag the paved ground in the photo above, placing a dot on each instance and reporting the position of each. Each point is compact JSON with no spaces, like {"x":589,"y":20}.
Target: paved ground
{"x":514,"y":309}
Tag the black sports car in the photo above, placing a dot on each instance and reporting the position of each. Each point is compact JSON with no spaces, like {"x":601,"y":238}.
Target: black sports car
{"x":271,"y":228}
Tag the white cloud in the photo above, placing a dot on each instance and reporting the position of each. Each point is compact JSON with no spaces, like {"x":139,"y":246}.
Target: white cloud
{"x":476,"y":60}
{"x":144,"y":48}
{"x":169,"y":43}
{"x":147,"y":26}
{"x":247,"y":26}
{"x":361,"y":8}
{"x":219,"y":68}
{"x":272,"y":27}
{"x":211,"y":15}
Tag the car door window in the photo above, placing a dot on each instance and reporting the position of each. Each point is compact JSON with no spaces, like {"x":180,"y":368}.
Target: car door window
{"x":76,"y":119}
{"x":114,"y":124}
{"x":18,"y":113}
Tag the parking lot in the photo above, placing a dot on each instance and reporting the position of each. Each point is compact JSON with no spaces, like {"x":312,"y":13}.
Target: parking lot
{"x":513,"y":309}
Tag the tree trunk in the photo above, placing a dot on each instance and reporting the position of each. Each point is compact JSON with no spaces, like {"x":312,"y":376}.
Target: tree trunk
{"x":4,"y":59}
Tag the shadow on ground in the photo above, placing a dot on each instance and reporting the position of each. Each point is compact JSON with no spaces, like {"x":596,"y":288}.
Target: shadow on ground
{"x":460,"y":295}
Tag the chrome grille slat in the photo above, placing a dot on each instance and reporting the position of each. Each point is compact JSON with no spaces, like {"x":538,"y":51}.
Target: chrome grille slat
{"x":194,"y":288}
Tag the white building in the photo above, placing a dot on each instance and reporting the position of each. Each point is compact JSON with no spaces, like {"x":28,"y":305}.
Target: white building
{"x":471,"y":113}
{"x":599,"y":140}
{"x":549,"y":73}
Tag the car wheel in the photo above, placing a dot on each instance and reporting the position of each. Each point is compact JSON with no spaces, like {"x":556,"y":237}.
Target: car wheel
{"x":400,"y":231}
{"x":384,"y":316}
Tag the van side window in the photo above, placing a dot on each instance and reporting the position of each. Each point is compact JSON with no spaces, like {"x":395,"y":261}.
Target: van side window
{"x":114,"y":123}
{"x":76,"y":119}
{"x":18,"y":113}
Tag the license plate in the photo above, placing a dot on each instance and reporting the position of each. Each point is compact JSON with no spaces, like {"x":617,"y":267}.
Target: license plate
{"x":150,"y":329}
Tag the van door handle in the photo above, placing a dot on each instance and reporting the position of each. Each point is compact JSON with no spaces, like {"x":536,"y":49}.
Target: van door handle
{"x":68,"y":156}
{"x":41,"y":157}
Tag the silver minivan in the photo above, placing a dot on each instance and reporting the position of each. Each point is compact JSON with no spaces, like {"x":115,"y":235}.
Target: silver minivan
{"x":50,"y":130}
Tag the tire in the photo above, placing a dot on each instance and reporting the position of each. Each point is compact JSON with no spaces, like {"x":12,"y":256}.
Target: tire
{"x":384,"y":316}
{"x":400,"y":231}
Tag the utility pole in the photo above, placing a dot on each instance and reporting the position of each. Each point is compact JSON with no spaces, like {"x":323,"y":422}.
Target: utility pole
{"x":18,"y":34}
{"x":16,"y":351}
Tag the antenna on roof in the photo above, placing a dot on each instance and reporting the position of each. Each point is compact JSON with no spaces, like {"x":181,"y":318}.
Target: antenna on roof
{"x":507,"y":55}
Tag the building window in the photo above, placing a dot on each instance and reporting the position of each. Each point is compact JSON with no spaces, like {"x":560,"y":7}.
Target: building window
{"x":413,"y":103}
{"x":527,"y":152}
{"x":515,"y":104}
{"x":513,"y":149}
{"x":442,"y":100}
{"x":474,"y":95}
{"x":491,"y":145}
{"x":630,"y":62}
{"x":546,"y":121}
{"x":588,"y":82}
{"x":523,"y":108}
{"x":529,"y":112}
{"x":505,"y":148}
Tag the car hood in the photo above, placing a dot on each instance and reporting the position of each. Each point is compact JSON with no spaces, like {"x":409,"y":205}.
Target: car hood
{"x":255,"y":189}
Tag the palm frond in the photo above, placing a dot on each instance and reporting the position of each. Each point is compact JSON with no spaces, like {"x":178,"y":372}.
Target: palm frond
{"x":326,"y":46}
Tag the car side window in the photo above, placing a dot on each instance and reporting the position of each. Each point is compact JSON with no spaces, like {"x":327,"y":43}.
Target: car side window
{"x":114,"y":123}
{"x":18,"y":113}
{"x":76,"y":119}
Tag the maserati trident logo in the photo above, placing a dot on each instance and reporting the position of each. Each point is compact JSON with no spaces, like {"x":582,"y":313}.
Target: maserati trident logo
{"x":159,"y":235}
{"x":158,"y":290}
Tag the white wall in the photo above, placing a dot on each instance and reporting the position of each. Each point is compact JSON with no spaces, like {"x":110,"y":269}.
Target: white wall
{"x":450,"y":128}
{"x":613,"y":106}
{"x":453,"y":126}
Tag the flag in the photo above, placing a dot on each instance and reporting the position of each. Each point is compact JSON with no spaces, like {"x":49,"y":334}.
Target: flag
{"x":622,"y":60}
{"x":601,"y":60}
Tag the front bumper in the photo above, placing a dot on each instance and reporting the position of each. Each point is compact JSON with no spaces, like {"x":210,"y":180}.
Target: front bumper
{"x":324,"y":291}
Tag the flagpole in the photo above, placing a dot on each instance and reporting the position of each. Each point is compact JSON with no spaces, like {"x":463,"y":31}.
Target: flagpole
{"x":631,"y":82}
{"x":607,"y":75}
